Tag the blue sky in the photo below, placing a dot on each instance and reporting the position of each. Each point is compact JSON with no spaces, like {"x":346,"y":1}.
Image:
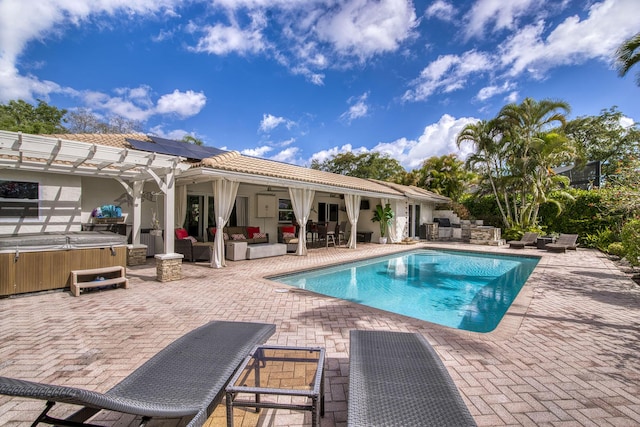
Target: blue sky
{"x":297,"y":80}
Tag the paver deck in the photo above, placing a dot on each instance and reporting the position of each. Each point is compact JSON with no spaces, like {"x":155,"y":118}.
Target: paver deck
{"x":566,"y":354}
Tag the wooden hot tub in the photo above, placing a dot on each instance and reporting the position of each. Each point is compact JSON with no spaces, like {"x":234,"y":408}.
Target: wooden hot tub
{"x":44,"y":261}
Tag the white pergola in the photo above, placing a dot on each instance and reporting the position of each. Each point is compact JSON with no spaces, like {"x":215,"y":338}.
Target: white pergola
{"x":131,"y":168}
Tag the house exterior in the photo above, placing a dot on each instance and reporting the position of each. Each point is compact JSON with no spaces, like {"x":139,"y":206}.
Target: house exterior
{"x":62,"y":179}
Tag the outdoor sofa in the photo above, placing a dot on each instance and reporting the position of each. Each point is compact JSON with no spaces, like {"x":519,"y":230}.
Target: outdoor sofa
{"x":185,"y":379}
{"x":397,"y":379}
{"x":248,"y":234}
{"x":194,"y":250}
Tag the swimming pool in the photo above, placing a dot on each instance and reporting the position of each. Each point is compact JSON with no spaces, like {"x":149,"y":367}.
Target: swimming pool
{"x":464,"y":290}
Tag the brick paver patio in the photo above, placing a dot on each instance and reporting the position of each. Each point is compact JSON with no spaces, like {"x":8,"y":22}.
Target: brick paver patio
{"x":566,"y":354}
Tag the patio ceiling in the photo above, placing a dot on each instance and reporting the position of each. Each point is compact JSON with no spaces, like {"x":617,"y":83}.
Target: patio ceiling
{"x":53,"y":154}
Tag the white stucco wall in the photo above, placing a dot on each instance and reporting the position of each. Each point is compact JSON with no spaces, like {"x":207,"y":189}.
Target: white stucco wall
{"x":59,"y":206}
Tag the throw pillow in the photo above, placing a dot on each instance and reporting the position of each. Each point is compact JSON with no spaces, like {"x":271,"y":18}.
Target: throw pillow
{"x":289,"y":229}
{"x":252,"y":230}
{"x":225,"y":236}
{"x":237,"y":237}
{"x":260,"y":235}
{"x":181,"y":233}
{"x":193,"y":239}
{"x":288,"y":235}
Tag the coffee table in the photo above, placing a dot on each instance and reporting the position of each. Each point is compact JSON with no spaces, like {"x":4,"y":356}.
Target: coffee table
{"x":279,"y":371}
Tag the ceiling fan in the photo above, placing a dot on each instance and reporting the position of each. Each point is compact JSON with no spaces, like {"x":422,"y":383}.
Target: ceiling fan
{"x":277,"y":189}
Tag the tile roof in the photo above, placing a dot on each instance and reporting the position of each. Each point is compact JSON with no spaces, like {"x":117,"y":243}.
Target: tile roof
{"x":235,"y":162}
{"x":414,"y":192}
{"x":118,"y":140}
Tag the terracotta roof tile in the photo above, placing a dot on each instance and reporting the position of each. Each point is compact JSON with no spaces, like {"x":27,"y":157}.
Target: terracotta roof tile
{"x":118,"y":140}
{"x":235,"y":162}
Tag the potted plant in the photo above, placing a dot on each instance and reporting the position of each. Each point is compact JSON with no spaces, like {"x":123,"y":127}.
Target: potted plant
{"x":383,"y":216}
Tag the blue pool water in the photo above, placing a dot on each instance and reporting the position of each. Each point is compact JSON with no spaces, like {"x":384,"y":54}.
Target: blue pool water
{"x":463,"y":290}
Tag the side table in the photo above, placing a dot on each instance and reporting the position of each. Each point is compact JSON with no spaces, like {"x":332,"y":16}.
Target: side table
{"x":297,"y":371}
{"x":541,"y":242}
{"x":235,"y":251}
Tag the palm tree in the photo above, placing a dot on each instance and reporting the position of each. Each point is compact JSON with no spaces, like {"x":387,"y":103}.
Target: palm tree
{"x":627,"y":55}
{"x":525,"y":128}
{"x":488,"y":159}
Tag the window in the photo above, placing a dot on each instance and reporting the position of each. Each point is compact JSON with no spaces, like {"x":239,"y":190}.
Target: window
{"x":285,"y":211}
{"x":19,"y":199}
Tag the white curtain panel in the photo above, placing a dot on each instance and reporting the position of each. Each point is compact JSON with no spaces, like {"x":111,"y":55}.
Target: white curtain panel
{"x":241,"y":211}
{"x":224,"y":196}
{"x":352,"y":203}
{"x":181,"y":205}
{"x":301,"y":200}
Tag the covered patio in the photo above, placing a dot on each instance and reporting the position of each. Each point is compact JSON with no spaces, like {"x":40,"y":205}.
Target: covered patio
{"x":566,"y":353}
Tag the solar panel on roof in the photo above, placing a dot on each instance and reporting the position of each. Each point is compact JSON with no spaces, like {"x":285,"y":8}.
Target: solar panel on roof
{"x":196,"y":151}
{"x":175,"y":148}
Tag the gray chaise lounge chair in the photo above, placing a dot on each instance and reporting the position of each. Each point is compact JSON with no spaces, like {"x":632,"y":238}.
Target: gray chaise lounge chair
{"x":185,"y":379}
{"x":564,"y":242}
{"x":397,"y":379}
{"x":529,"y":239}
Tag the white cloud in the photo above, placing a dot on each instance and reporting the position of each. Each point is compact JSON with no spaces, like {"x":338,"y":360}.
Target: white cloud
{"x":491,"y":91}
{"x":288,"y":155}
{"x":448,"y":73}
{"x":574,"y":41}
{"x":527,"y":51}
{"x":358,"y":108}
{"x":137,"y":104}
{"x":442,"y":10}
{"x":364,"y":28}
{"x":270,"y":122}
{"x":437,"y":139}
{"x":323,"y":155}
{"x":50,"y":19}
{"x":257,"y":152}
{"x":175,"y":134}
{"x":222,"y":39}
{"x":503,"y":15}
{"x":184,"y":104}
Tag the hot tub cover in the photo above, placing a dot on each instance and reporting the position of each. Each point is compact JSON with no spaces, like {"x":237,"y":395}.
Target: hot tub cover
{"x":58,"y":241}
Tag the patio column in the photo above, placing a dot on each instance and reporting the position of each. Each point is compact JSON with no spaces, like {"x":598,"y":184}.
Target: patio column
{"x":137,"y":211}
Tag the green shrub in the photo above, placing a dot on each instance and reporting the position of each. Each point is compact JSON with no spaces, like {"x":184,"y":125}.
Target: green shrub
{"x":484,"y":208}
{"x":586,"y":215}
{"x":599,"y":240}
{"x":617,"y":249}
{"x":631,"y":241}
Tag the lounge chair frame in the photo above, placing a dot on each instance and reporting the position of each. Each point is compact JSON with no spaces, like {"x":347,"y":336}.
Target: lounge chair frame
{"x":564,"y":242}
{"x":397,"y":379}
{"x":528,"y":239}
{"x":169,"y":385}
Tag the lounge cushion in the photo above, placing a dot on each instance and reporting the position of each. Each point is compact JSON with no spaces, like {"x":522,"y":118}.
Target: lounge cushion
{"x":288,"y":229}
{"x":251,"y":231}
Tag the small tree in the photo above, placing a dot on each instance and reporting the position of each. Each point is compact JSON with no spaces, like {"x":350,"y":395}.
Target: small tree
{"x":383,"y":216}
